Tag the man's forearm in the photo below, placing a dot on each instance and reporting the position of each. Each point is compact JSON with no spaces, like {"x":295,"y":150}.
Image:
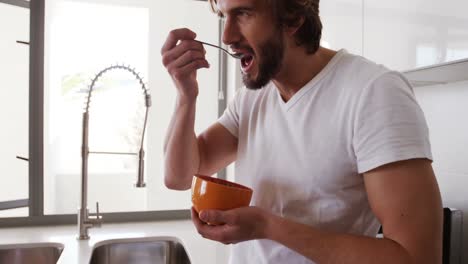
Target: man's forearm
{"x":327,"y":247}
{"x":181,"y":148}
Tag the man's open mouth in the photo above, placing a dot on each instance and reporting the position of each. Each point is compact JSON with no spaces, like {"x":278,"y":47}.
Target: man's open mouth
{"x":246,"y":61}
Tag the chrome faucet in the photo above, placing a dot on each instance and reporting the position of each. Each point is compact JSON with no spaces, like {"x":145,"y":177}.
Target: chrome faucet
{"x":85,"y":219}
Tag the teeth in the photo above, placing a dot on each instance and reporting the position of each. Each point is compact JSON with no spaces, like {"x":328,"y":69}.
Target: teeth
{"x":246,"y":59}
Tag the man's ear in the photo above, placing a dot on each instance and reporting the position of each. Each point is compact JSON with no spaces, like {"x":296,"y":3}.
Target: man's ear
{"x":293,"y":28}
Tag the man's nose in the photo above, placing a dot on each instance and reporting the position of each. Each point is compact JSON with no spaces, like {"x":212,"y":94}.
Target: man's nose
{"x":231,"y":33}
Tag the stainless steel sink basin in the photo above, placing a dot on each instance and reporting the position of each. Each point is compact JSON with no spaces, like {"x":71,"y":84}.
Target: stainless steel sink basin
{"x":154,"y":250}
{"x":38,"y":253}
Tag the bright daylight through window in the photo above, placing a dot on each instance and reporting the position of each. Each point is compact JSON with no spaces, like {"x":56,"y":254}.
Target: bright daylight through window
{"x":84,"y":37}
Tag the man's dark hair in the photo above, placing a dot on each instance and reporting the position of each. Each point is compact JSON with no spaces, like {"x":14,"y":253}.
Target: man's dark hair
{"x":289,"y":13}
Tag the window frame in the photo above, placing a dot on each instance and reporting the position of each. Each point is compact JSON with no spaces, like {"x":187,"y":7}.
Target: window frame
{"x":36,"y":134}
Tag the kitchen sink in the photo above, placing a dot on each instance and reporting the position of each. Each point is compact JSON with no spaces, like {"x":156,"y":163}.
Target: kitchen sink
{"x":37,"y":253}
{"x":154,"y":250}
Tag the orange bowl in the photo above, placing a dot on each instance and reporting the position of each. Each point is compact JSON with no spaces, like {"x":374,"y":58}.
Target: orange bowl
{"x":218,"y":194}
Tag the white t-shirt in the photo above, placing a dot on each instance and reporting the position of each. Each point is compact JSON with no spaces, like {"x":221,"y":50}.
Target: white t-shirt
{"x":304,"y":158}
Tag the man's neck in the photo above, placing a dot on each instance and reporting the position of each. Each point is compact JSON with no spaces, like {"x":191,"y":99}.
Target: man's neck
{"x":299,"y":68}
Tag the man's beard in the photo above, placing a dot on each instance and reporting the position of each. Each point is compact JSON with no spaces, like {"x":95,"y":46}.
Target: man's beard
{"x":269,"y":59}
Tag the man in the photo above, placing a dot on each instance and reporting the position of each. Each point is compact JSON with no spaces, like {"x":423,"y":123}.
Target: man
{"x":333,"y":145}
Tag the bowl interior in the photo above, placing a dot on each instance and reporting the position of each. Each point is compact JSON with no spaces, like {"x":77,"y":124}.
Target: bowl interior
{"x":223,"y":182}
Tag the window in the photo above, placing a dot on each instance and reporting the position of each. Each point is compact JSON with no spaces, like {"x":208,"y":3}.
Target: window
{"x":84,"y":37}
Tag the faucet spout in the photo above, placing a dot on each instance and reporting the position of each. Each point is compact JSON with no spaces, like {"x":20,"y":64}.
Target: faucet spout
{"x":141,"y":172}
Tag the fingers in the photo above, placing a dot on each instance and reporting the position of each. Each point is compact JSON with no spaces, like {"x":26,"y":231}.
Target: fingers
{"x":189,"y":61}
{"x":229,"y":217}
{"x":195,"y":49}
{"x":220,"y":233}
{"x":174,"y":37}
{"x":181,"y":73}
{"x":213,"y":216}
{"x":195,"y":219}
{"x":240,"y":224}
{"x":182,"y":57}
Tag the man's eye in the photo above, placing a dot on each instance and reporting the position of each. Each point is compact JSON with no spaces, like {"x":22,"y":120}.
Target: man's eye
{"x":244,"y":14}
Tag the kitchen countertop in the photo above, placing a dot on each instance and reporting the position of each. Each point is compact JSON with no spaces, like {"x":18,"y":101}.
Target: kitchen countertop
{"x":200,"y":250}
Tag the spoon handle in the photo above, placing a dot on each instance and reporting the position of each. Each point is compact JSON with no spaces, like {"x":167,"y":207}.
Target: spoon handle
{"x":209,"y":44}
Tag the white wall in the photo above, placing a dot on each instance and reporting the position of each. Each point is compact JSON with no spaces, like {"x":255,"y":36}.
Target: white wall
{"x":404,"y":34}
{"x":342,"y":25}
{"x":14,"y":105}
{"x":446,"y":108}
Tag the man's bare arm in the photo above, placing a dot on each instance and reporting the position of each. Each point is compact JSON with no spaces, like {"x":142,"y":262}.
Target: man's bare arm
{"x":405,"y":198}
{"x":187,"y":155}
{"x":184,"y":153}
{"x":181,"y":153}
{"x":217,"y":149}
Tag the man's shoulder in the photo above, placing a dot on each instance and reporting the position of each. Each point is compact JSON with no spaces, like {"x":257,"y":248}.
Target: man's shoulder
{"x":370,"y":74}
{"x":355,"y":75}
{"x":360,"y":68}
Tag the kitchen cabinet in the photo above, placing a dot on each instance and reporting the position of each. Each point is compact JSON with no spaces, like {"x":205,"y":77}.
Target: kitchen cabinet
{"x":342,"y":25}
{"x":405,"y":35}
{"x":439,"y":74}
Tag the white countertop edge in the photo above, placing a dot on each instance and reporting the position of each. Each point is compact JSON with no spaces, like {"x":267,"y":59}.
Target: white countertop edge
{"x":76,"y":251}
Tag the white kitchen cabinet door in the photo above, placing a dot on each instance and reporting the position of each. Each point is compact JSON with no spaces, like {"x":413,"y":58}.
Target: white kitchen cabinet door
{"x":406,"y":34}
{"x":342,"y":25}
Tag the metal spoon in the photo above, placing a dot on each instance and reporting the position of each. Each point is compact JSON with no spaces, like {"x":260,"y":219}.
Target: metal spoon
{"x":234,"y":55}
